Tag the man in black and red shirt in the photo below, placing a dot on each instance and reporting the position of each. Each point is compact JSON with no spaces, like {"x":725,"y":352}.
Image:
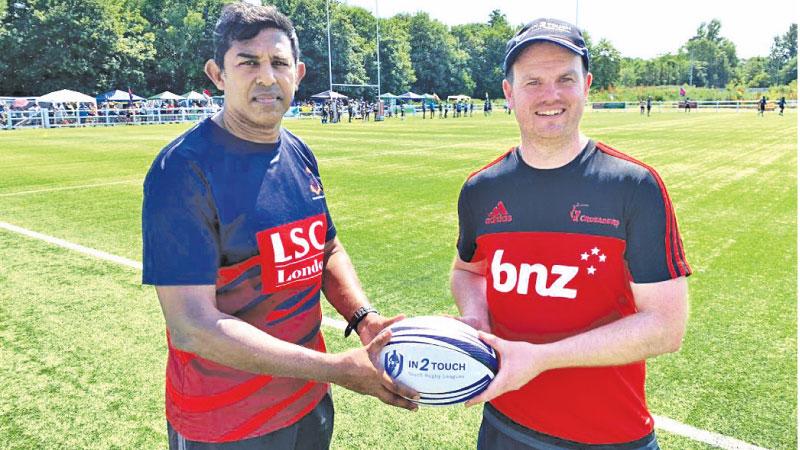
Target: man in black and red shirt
{"x":569,"y":261}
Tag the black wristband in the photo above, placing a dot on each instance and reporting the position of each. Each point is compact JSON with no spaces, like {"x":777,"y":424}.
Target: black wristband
{"x":358,"y":316}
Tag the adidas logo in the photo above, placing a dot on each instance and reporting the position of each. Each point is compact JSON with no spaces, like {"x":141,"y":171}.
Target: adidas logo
{"x":499,"y":214}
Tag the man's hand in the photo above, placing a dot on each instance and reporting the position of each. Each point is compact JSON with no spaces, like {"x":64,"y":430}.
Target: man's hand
{"x":518,"y":365}
{"x":361,"y":372}
{"x":372,"y":324}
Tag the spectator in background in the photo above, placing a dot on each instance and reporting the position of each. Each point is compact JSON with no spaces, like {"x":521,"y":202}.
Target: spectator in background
{"x":762,"y":105}
{"x":649,"y":104}
{"x":781,"y":105}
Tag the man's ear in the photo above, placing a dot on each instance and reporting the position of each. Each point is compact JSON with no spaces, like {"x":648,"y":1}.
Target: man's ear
{"x":507,"y":93}
{"x":586,"y":88}
{"x":215,"y":74}
{"x":301,"y":73}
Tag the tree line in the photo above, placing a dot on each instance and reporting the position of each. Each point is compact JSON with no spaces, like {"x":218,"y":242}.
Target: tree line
{"x":153,"y":45}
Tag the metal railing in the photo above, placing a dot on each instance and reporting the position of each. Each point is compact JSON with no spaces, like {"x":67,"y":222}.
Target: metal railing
{"x":47,"y":118}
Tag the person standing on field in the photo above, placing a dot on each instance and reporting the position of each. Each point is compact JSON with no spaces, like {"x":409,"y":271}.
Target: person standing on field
{"x":239,"y":243}
{"x":569,"y":262}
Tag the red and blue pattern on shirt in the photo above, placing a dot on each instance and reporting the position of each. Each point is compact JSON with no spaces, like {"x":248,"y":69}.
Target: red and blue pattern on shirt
{"x":561,"y":247}
{"x":252,"y":220}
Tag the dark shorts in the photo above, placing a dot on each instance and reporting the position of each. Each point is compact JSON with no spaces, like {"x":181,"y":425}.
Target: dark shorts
{"x":499,"y":432}
{"x":312,"y":432}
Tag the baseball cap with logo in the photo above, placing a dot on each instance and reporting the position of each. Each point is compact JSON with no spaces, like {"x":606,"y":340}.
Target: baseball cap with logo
{"x":551,"y":30}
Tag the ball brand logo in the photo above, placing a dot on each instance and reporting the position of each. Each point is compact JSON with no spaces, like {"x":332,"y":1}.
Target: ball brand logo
{"x":292,"y":253}
{"x":426,"y":364}
{"x":506,"y":277}
{"x":576,"y":214}
{"x":393,"y":363}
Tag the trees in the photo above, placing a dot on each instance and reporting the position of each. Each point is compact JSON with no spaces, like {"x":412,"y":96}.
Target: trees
{"x":183,"y":31}
{"x":713,"y":56}
{"x":87,"y":45}
{"x":782,"y":63}
{"x":606,"y":61}
{"x":440,"y":66}
{"x":485,"y":47}
{"x":397,"y":72}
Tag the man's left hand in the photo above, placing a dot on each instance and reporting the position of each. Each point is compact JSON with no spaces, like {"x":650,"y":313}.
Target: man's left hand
{"x":372,"y":324}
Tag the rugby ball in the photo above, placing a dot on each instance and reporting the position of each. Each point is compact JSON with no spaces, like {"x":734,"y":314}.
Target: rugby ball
{"x":439,"y":357}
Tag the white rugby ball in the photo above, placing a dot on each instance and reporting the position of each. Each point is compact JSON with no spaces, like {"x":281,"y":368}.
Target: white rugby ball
{"x":439,"y":357}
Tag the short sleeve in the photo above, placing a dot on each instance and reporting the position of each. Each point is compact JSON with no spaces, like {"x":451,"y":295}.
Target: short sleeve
{"x":654,"y":249}
{"x":309,"y":157}
{"x":180,"y":236}
{"x":466,"y":243}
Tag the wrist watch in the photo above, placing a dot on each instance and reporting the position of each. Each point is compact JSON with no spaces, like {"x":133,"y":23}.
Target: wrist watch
{"x":358,"y":316}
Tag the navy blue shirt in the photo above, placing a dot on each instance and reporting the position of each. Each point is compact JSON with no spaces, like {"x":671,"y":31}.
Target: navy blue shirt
{"x":252,"y":220}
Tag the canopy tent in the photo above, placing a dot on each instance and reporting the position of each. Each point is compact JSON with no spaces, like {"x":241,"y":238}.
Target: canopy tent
{"x":458,"y":97}
{"x":117,"y":96}
{"x":433,"y":97}
{"x":410,"y":96}
{"x":325,"y":95}
{"x":388,"y":95}
{"x":166,"y":95}
{"x":65,"y":96}
{"x":192,"y":95}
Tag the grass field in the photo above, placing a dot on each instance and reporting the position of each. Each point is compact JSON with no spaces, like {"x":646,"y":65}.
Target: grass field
{"x":82,"y":347}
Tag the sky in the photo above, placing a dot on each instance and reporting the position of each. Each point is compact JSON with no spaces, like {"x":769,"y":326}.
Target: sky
{"x":642,"y":28}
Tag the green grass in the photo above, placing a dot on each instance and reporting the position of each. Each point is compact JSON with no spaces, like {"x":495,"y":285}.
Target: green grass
{"x":82,"y":348}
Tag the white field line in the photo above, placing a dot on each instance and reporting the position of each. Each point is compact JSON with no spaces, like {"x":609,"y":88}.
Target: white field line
{"x":664,"y":423}
{"x":67,"y":188}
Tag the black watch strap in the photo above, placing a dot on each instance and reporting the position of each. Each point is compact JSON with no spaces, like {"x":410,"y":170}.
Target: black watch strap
{"x":358,"y":316}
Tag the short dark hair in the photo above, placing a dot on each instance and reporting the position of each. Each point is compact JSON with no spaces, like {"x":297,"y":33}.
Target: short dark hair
{"x":241,"y":21}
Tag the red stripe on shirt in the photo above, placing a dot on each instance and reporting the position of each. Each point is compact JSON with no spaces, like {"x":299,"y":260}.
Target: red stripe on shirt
{"x":672,"y":241}
{"x":204,"y":403}
{"x":265,"y":415}
{"x":500,"y":158}
{"x":227,"y":274}
{"x":276,"y":314}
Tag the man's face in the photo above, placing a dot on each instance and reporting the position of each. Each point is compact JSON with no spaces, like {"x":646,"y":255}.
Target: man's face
{"x":548,"y":91}
{"x":260,"y":78}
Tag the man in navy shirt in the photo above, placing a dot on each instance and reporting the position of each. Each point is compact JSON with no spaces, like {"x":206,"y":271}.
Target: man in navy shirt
{"x":239,"y":242}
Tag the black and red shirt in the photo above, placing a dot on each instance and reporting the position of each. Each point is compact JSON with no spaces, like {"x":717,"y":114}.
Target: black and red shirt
{"x":561,"y":248}
{"x":251,"y":219}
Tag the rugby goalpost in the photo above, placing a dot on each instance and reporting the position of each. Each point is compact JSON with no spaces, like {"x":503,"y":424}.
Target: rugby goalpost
{"x":331,"y":84}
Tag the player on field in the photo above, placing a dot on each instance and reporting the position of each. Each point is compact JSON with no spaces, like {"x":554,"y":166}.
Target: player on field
{"x":239,"y":242}
{"x":570,"y":261}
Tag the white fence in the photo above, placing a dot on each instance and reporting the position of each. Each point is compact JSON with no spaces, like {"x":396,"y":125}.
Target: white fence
{"x":46,"y":118}
{"x":706,"y":105}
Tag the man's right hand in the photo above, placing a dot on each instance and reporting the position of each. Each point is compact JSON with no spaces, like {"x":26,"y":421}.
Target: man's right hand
{"x":361,"y":372}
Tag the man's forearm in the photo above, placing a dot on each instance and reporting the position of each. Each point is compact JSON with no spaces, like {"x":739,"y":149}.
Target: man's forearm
{"x":234,"y":343}
{"x":469,"y":293}
{"x":341,"y":285}
{"x":633,"y":338}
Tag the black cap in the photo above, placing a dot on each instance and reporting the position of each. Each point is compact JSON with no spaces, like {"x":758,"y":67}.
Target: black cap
{"x":556,"y":31}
